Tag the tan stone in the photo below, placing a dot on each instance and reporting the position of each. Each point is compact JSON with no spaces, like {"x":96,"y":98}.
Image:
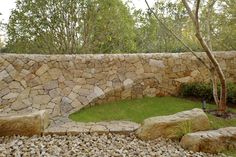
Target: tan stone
{"x":45,"y":77}
{"x":173,"y":126}
{"x":184,"y":79}
{"x":11,"y":96}
{"x":21,"y":104}
{"x":195,"y":73}
{"x":44,"y":68}
{"x":24,"y":94}
{"x":55,"y":73}
{"x":76,"y":88}
{"x":56,"y":111}
{"x":84,"y":92}
{"x":81,"y":81}
{"x":15,"y":85}
{"x":51,"y":85}
{"x":126,"y":94}
{"x":73,"y":95}
{"x":25,"y":124}
{"x":76,"y":104}
{"x":41,"y":99}
{"x":151,"y":92}
{"x":213,"y":141}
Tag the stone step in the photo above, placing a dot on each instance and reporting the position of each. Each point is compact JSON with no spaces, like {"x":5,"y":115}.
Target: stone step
{"x":212,"y":141}
{"x":75,"y":128}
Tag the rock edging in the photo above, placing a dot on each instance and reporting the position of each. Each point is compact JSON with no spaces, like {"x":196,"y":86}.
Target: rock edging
{"x":212,"y":141}
{"x":24,"y":124}
{"x":173,"y":126}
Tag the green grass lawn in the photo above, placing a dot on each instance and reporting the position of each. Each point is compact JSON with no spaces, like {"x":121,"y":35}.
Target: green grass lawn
{"x":140,"y":109}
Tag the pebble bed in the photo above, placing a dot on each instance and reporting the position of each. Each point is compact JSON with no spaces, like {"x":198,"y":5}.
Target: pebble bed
{"x":86,"y":145}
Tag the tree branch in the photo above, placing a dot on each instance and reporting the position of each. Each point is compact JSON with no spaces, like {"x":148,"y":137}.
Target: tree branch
{"x":179,"y":39}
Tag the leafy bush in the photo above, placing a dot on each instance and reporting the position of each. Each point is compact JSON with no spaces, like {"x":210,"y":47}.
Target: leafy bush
{"x":204,"y":91}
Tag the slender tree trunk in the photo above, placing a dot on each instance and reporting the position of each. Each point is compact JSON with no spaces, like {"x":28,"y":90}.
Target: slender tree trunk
{"x":223,"y":96}
{"x":214,"y":85}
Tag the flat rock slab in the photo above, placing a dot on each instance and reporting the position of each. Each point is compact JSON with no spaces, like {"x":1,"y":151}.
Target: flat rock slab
{"x":24,"y":124}
{"x":75,"y":128}
{"x":173,"y":126}
{"x":212,"y":141}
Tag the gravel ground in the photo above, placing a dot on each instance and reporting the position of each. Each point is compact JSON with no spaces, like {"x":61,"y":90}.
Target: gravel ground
{"x":92,"y":145}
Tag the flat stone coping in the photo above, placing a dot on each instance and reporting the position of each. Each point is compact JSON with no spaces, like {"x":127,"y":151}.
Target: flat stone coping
{"x":65,"y":126}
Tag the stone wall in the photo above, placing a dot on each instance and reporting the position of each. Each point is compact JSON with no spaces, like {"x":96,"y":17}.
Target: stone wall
{"x":63,"y":84}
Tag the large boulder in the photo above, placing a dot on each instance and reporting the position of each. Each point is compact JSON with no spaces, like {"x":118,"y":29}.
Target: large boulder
{"x":213,"y":141}
{"x":173,"y":126}
{"x":24,"y":124}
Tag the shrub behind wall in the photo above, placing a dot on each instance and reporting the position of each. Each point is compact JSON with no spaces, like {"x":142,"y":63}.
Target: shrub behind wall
{"x":204,"y":91}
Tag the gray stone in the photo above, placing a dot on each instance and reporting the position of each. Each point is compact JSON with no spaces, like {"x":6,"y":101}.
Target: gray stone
{"x":3,"y":74}
{"x":54,"y":93}
{"x":66,"y":105}
{"x":157,"y":63}
{"x":98,"y":91}
{"x":128,"y":83}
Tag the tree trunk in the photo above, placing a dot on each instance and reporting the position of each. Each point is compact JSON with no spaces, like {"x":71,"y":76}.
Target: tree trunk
{"x":195,"y":18}
{"x":215,"y":88}
{"x":223,"y":96}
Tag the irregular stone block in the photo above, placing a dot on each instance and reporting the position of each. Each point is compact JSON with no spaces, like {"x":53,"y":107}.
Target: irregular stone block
{"x":24,"y":124}
{"x":98,"y":91}
{"x":41,"y":99}
{"x":128,"y":83}
{"x":156,"y":63}
{"x":66,"y":105}
{"x":213,"y":141}
{"x":3,"y":74}
{"x":173,"y":126}
{"x":44,"y":68}
{"x":10,"y":96}
{"x":19,"y":105}
{"x":51,"y":85}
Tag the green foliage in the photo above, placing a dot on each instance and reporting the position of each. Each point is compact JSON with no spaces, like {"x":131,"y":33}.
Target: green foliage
{"x":205,"y":91}
{"x":102,"y":26}
{"x":72,"y":26}
{"x":184,"y":128}
{"x":153,"y":37}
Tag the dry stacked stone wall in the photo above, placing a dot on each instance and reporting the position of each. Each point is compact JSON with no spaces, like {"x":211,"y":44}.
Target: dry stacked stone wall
{"x":63,"y":84}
